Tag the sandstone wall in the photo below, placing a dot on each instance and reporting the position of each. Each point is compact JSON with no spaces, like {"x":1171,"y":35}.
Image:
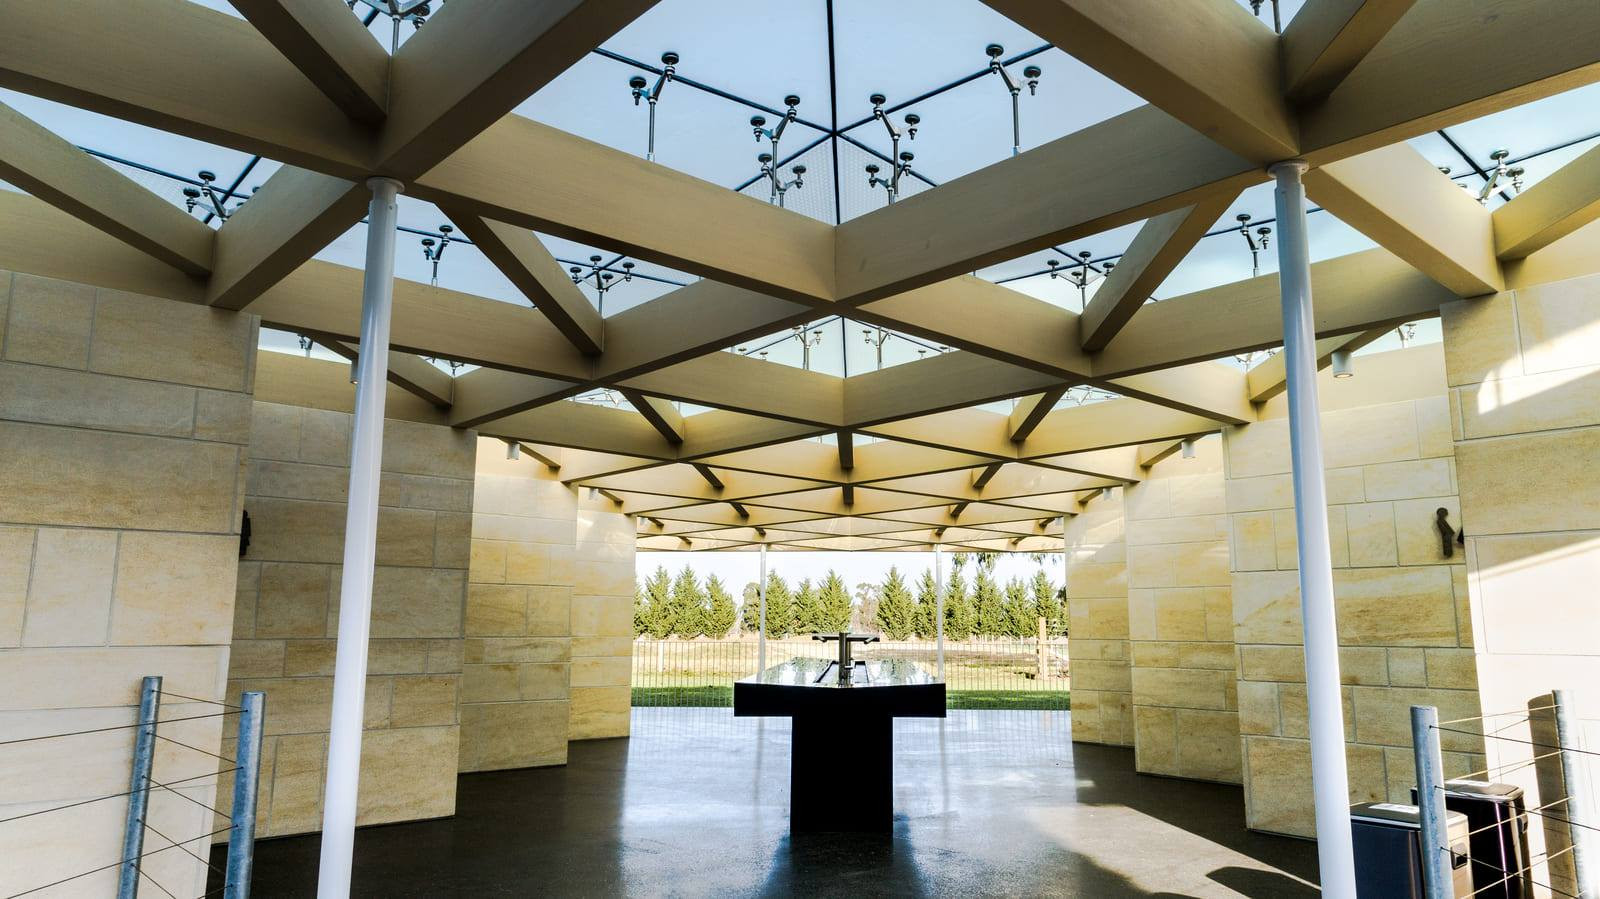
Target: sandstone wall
{"x":1180,"y":619}
{"x":287,"y":611}
{"x":123,"y":421}
{"x":1404,"y":627}
{"x":1097,"y":638}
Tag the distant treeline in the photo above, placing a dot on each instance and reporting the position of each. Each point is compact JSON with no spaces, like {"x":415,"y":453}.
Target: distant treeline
{"x":686,"y":606}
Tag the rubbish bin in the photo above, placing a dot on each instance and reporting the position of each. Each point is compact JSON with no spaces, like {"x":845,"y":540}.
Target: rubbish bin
{"x":1498,"y":822}
{"x":1388,"y":850}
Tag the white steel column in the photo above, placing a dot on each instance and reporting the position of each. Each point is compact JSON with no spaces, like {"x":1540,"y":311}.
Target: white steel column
{"x":360,"y":547}
{"x":1329,"y":778}
{"x":938,"y":604}
{"x":761,"y":645}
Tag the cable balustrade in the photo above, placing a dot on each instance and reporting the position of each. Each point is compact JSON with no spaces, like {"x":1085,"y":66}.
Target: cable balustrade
{"x":980,"y":673}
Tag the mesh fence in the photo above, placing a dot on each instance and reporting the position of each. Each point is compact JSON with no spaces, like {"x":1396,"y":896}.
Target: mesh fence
{"x":979,"y":673}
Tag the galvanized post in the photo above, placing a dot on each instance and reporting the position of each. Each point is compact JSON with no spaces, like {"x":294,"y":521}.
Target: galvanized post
{"x":1580,"y":814}
{"x":242,"y":836}
{"x":1044,"y":658}
{"x":144,"y":743}
{"x":938,"y":603}
{"x":761,"y":643}
{"x":1436,"y":883}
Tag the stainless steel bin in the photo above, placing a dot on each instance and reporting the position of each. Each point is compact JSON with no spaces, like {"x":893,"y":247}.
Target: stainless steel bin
{"x":1498,"y":822}
{"x":1388,"y":850}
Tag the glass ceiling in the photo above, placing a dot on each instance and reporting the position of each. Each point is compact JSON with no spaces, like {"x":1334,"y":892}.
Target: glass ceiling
{"x":736,"y":62}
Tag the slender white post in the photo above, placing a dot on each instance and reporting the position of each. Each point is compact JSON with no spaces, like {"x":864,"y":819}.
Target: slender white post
{"x":1329,"y":777}
{"x":360,"y":548}
{"x":938,"y":605}
{"x":761,"y":644}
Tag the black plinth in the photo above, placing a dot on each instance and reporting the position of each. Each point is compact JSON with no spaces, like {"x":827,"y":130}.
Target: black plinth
{"x":841,"y":768}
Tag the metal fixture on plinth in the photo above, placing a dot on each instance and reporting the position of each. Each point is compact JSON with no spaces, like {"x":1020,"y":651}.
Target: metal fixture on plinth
{"x":808,"y":339}
{"x":1030,"y":74}
{"x":669,"y":68}
{"x":899,"y":162}
{"x":876,"y":338}
{"x":433,"y":250}
{"x":1257,"y":241}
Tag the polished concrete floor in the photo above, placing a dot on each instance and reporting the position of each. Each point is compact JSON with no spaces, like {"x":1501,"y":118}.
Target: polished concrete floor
{"x":988,"y":803}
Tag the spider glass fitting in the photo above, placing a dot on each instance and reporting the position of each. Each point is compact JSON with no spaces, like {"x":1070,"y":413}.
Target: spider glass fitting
{"x":214,"y":200}
{"x":433,"y":251}
{"x":305,"y":345}
{"x":773,"y":136}
{"x":1407,"y":333}
{"x":414,"y":11}
{"x":808,"y":339}
{"x":1277,"y":21}
{"x":1031,"y":73}
{"x":669,"y":68}
{"x":899,"y":162}
{"x":599,"y":278}
{"x":1496,"y":178}
{"x":876,"y":338}
{"x":1081,"y":274}
{"x":1257,"y":242}
{"x":776,"y":182}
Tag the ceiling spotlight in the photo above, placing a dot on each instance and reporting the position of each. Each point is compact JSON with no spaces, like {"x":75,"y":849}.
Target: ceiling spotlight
{"x":1030,"y":75}
{"x":1188,"y":447}
{"x":1342,"y":366}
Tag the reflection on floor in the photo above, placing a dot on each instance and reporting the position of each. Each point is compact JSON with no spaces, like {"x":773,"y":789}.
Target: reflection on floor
{"x":988,"y":803}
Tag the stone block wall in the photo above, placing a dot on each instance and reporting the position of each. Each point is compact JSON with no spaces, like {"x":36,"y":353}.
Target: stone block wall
{"x":515,"y":699}
{"x":602,"y":619}
{"x":287,"y":610}
{"x":123,"y":421}
{"x":1097,"y":636}
{"x":1524,"y":375}
{"x":1180,"y":619}
{"x":1404,"y":626}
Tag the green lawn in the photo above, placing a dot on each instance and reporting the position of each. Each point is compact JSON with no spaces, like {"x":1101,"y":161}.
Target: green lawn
{"x":713,"y":696}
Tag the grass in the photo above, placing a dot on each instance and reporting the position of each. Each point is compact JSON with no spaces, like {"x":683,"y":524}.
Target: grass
{"x":715,"y":696}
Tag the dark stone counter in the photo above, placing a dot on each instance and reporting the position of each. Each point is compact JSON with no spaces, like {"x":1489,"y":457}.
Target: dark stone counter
{"x":841,"y":768}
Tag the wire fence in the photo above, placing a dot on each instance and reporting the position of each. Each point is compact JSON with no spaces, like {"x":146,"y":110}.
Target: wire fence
{"x":979,"y":673}
{"x":143,"y":786}
{"x":1569,"y":865}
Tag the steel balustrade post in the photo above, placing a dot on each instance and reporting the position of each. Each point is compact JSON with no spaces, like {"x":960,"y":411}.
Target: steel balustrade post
{"x":242,"y":835}
{"x":144,"y":742}
{"x":1329,"y":774}
{"x":1435,"y":836}
{"x":360,"y":548}
{"x":938,"y":604}
{"x":1580,"y":798}
{"x":761,"y":644}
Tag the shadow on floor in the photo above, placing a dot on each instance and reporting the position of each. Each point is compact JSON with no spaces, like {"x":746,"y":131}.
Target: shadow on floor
{"x":988,"y":803}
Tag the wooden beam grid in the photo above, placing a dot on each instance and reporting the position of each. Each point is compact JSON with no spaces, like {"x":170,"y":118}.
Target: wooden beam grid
{"x":1343,"y":86}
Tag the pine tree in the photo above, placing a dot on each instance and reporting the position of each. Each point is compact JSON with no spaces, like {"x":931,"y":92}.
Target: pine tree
{"x":897,"y":612}
{"x":834,"y":605}
{"x":927,"y":600}
{"x":750,"y":609}
{"x":865,"y":617}
{"x":807,"y":608}
{"x":988,"y":608}
{"x":640,"y":611}
{"x":659,"y":615}
{"x":1050,"y":603}
{"x":688,"y":605}
{"x":957,"y":609}
{"x":1021,"y":620}
{"x":780,"y":608}
{"x":719,"y":614}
